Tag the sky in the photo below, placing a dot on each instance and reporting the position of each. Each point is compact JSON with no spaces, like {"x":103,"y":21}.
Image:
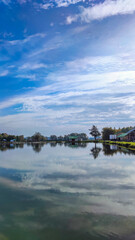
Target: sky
{"x":66,"y":65}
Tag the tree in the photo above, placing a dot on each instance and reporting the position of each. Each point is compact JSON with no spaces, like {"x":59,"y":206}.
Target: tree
{"x":60,"y":138}
{"x":53,"y":137}
{"x":94,"y":132}
{"x":106,"y":132}
{"x":20,"y":138}
{"x":37,"y":137}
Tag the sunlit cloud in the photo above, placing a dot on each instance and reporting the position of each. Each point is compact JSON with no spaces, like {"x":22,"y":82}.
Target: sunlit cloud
{"x":67,"y":77}
{"x":66,"y":3}
{"x":103,"y":10}
{"x":58,"y":3}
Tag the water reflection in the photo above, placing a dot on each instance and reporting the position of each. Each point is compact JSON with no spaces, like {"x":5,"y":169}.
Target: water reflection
{"x":108,"y":150}
{"x":8,"y":146}
{"x":62,"y":193}
{"x":95,"y":151}
{"x":37,"y":147}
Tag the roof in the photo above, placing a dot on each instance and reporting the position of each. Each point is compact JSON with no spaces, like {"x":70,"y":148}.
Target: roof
{"x":125,"y":134}
{"x":122,"y":135}
{"x":130,"y":131}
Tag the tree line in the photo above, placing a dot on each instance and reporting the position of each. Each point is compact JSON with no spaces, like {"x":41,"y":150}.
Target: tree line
{"x":93,"y":131}
{"x":38,"y":137}
{"x":107,"y":131}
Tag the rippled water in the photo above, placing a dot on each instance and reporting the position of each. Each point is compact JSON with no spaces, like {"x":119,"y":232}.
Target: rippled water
{"x":61,"y":192}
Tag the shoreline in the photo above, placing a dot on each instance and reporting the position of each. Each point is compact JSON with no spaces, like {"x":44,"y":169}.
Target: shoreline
{"x":127,"y":145}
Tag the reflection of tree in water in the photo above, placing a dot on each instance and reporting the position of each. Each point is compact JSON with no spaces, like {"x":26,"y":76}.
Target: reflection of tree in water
{"x":37,"y":147}
{"x":20,"y":145}
{"x":60,"y":143}
{"x":69,"y":144}
{"x":95,"y":151}
{"x":53,"y":144}
{"x":110,"y":150}
{"x":76,"y":144}
{"x":4,"y":147}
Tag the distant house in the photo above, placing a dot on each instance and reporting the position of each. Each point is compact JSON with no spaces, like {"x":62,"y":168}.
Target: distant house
{"x":73,"y":139}
{"x":12,"y":140}
{"x":112,"y":137}
{"x":129,"y":136}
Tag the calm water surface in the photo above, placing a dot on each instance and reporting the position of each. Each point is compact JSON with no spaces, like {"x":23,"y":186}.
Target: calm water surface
{"x":66,"y":192}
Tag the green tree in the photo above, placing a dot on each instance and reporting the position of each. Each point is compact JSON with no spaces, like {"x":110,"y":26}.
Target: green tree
{"x":94,"y":132}
{"x":20,"y":138}
{"x":53,"y":137}
{"x":37,"y":137}
{"x":106,"y":132}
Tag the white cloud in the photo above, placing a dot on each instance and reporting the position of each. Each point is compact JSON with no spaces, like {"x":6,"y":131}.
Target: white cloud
{"x":88,"y":98}
{"x":80,"y":96}
{"x":30,"y":77}
{"x":46,"y":6}
{"x":66,"y":3}
{"x":103,"y":10}
{"x":33,"y":66}
{"x":58,"y":3}
{"x":4,"y":73}
{"x":26,"y":39}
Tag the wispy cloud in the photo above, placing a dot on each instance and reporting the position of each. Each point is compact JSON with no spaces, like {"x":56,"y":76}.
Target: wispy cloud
{"x":24,"y":40}
{"x":80,"y":80}
{"x":57,"y":3}
{"x":5,"y":1}
{"x":103,"y":10}
{"x":32,"y":66}
{"x":4,"y":73}
{"x":75,"y":100}
{"x":31,"y":77}
{"x":66,"y":3}
{"x":46,"y":5}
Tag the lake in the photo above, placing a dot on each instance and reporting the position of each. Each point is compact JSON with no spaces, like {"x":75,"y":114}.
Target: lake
{"x":66,"y":192}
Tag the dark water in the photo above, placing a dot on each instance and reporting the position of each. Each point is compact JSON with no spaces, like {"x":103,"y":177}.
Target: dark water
{"x":66,"y":192}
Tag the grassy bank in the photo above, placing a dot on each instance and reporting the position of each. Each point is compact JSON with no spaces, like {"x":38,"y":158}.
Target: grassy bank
{"x":128,"y":145}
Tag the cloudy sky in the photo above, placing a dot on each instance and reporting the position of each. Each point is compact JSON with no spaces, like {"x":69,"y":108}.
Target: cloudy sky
{"x":66,"y":64}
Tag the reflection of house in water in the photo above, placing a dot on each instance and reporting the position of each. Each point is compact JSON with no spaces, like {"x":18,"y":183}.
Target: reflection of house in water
{"x":13,"y":140}
{"x":109,"y":150}
{"x":76,"y":144}
{"x":113,"y":147}
{"x":129,"y":136}
{"x":12,"y":145}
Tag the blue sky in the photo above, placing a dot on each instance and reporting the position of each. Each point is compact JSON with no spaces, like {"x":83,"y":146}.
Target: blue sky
{"x":66,"y":65}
